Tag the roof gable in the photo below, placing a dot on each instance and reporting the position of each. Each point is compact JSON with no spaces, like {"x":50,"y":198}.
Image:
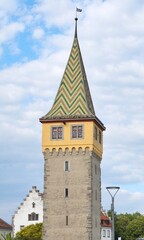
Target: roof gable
{"x":4,"y":225}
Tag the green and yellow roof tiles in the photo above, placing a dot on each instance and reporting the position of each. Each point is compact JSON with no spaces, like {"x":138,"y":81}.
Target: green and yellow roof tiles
{"x":73,"y":98}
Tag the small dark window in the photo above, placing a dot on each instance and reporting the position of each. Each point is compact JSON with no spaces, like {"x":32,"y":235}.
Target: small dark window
{"x":77,"y":131}
{"x":95,"y":169}
{"x":33,"y":205}
{"x":95,"y":194}
{"x":66,"y":192}
{"x":66,"y":166}
{"x":57,"y":132}
{"x":21,"y":227}
{"x":66,"y":220}
{"x":100,"y":137}
{"x":95,"y":133}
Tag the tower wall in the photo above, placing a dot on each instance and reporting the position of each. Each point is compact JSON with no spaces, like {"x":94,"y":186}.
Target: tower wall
{"x":76,"y":216}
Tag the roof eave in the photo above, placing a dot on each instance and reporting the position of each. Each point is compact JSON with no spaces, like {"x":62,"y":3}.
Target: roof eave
{"x":76,"y":119}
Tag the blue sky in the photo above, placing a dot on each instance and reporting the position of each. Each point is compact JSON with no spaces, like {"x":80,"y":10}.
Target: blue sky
{"x":35,"y":42}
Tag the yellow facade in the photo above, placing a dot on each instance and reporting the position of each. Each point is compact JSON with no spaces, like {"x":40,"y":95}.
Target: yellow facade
{"x":88,"y":139}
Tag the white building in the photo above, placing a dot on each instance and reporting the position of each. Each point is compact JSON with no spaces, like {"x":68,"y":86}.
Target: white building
{"x":29,"y":212}
{"x":106,"y":226}
{"x":5,"y":228}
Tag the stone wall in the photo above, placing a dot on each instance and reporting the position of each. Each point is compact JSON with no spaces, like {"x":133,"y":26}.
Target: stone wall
{"x":81,"y":207}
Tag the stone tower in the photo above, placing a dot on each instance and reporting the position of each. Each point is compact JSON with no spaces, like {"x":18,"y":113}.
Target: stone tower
{"x":72,"y":143}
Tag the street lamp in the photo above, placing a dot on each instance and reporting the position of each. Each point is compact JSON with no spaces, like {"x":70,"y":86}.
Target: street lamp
{"x":113,"y":191}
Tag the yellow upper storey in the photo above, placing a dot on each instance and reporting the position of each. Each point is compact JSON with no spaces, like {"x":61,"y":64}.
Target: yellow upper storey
{"x":91,"y":136}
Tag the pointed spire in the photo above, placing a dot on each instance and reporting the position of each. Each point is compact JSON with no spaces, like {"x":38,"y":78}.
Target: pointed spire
{"x":73,"y":99}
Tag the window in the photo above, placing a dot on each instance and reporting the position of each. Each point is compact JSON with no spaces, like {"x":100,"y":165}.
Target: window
{"x":77,"y":131}
{"x":104,"y":233}
{"x":95,"y":222}
{"x":66,"y":220}
{"x":108,"y":233}
{"x":66,"y":192}
{"x":100,"y":137}
{"x":95,"y":169}
{"x":21,"y":227}
{"x":57,"y":132}
{"x":33,"y":205}
{"x":95,"y":132}
{"x":95,"y":194}
{"x":66,"y":166}
{"x":33,"y":217}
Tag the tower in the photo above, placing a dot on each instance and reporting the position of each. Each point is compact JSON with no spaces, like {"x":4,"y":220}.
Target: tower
{"x":72,"y":143}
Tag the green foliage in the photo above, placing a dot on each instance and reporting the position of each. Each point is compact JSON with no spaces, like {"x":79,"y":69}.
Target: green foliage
{"x":121,"y":223}
{"x":135,"y":228}
{"x":31,"y":232}
{"x":7,"y":237}
{"x":129,"y":226}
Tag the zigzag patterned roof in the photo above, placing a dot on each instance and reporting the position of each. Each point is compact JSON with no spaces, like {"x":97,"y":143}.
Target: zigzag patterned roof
{"x":73,"y":99}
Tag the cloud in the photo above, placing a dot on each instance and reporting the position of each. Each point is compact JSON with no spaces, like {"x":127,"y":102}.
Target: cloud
{"x":38,"y":33}
{"x":9,"y":31}
{"x":6,"y":9}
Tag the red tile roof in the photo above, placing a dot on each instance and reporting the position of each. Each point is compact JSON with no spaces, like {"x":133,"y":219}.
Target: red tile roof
{"x":4,"y":225}
{"x":105,"y":220}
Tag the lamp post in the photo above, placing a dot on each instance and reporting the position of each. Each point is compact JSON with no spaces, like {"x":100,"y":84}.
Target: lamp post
{"x":113,"y":191}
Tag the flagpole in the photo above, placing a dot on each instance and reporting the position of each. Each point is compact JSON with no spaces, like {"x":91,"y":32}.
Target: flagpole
{"x":76,"y":24}
{"x":77,"y":10}
{"x":76,"y":13}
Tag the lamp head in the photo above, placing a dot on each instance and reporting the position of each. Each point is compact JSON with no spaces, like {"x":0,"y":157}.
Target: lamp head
{"x":112,"y":190}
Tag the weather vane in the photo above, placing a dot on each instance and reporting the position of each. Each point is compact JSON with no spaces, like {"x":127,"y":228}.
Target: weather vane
{"x":77,"y":10}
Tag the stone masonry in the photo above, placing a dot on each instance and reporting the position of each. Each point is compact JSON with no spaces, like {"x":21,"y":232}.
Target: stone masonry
{"x":77,"y":216}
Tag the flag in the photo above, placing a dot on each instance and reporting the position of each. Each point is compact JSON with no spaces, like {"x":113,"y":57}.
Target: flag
{"x":78,"y":10}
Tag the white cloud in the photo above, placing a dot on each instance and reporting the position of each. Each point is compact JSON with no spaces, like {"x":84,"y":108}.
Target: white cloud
{"x":9,"y":31}
{"x":11,"y":93}
{"x":38,"y":33}
{"x":56,"y":13}
{"x":6,"y":9}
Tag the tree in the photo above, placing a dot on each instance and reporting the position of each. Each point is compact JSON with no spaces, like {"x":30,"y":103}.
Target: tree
{"x":31,"y":232}
{"x":135,"y":228}
{"x":121,"y":222}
